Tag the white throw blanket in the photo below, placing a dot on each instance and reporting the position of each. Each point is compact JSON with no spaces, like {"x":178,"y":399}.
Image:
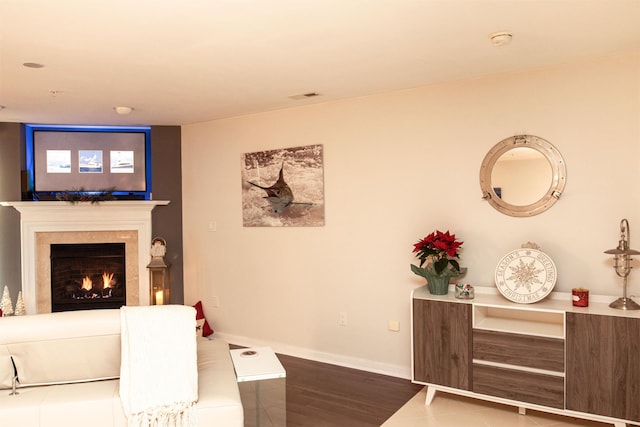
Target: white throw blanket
{"x":158,"y":371}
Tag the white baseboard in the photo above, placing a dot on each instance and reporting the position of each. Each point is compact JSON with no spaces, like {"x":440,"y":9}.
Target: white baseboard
{"x":319,"y":356}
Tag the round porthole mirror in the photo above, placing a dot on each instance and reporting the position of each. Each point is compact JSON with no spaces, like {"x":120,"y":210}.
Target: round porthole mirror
{"x":522,"y":175}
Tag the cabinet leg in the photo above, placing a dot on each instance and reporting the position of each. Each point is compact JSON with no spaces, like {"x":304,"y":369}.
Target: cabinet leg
{"x":522,"y":411}
{"x":431,"y":393}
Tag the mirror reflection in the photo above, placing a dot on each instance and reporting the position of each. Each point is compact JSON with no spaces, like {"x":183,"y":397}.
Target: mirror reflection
{"x":521,"y":176}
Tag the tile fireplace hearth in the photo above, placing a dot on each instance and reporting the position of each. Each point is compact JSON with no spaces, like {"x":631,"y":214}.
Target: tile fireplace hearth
{"x":45,"y":223}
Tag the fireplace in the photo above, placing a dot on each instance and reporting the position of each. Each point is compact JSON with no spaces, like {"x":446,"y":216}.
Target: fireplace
{"x":87,"y":276}
{"x":47,"y":222}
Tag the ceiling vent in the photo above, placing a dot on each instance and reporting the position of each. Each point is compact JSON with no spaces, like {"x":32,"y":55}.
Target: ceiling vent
{"x":305,"y":96}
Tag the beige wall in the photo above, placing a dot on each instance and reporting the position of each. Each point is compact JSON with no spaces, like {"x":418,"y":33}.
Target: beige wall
{"x":398,"y":166}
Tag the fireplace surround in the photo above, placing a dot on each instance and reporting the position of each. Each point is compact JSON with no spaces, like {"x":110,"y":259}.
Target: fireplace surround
{"x":44,"y":223}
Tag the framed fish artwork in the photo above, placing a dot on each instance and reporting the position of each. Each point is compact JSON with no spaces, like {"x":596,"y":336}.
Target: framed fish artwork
{"x":283,"y":187}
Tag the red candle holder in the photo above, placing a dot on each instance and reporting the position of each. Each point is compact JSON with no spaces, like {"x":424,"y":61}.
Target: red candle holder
{"x":580,"y":297}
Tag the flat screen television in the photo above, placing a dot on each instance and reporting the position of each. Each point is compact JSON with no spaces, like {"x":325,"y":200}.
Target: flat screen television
{"x":88,"y":159}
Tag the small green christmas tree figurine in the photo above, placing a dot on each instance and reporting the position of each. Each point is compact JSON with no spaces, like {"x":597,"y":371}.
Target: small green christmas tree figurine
{"x":20,"y":308}
{"x":5,"y":303}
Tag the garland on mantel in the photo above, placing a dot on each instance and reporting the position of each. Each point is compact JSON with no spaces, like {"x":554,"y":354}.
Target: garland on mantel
{"x":81,"y":195}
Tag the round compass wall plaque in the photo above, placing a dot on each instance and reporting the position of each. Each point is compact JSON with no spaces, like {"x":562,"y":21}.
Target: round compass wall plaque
{"x":525,"y":275}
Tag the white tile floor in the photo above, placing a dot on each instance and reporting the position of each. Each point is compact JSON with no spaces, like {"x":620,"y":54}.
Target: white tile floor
{"x":448,"y":410}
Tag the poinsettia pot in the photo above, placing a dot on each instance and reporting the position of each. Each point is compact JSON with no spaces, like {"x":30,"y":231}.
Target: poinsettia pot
{"x":439,"y":283}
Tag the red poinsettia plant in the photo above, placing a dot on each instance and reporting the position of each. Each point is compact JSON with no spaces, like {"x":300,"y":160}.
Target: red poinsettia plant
{"x":437,"y":252}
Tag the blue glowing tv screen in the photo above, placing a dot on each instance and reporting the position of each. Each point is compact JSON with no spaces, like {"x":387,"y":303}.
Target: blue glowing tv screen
{"x":91,"y":159}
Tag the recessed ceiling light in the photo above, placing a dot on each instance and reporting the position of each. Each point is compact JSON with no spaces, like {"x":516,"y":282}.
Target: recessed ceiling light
{"x":33,"y":65}
{"x":123,"y":110}
{"x":304,"y":95}
{"x":500,"y":38}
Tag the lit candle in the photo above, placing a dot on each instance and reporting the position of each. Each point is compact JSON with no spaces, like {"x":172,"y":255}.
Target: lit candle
{"x":159,"y":298}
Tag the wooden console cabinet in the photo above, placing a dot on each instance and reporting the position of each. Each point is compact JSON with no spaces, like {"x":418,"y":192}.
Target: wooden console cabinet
{"x":548,"y":356}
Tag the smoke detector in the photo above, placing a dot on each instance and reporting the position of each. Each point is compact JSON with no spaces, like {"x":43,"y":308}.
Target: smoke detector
{"x":500,"y":38}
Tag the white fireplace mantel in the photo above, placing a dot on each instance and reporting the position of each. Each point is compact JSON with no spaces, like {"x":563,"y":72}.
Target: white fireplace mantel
{"x":53,"y":216}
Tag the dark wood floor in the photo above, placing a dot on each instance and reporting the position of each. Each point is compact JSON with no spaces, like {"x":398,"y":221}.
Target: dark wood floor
{"x":320,"y":395}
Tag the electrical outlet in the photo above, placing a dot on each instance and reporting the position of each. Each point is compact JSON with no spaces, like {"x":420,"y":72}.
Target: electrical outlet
{"x":212,"y":226}
{"x":342,"y":318}
{"x":394,"y":325}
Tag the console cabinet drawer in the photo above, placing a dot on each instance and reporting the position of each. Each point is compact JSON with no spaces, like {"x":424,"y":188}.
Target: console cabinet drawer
{"x":521,"y":350}
{"x":540,"y":389}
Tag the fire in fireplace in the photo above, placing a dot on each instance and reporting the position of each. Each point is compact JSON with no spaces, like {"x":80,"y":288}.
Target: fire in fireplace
{"x":87,"y":276}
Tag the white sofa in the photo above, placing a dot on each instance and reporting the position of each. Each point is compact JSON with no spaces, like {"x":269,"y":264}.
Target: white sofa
{"x":67,"y":367}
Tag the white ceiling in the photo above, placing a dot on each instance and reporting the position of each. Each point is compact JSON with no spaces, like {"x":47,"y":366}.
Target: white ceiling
{"x":184,"y":61}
